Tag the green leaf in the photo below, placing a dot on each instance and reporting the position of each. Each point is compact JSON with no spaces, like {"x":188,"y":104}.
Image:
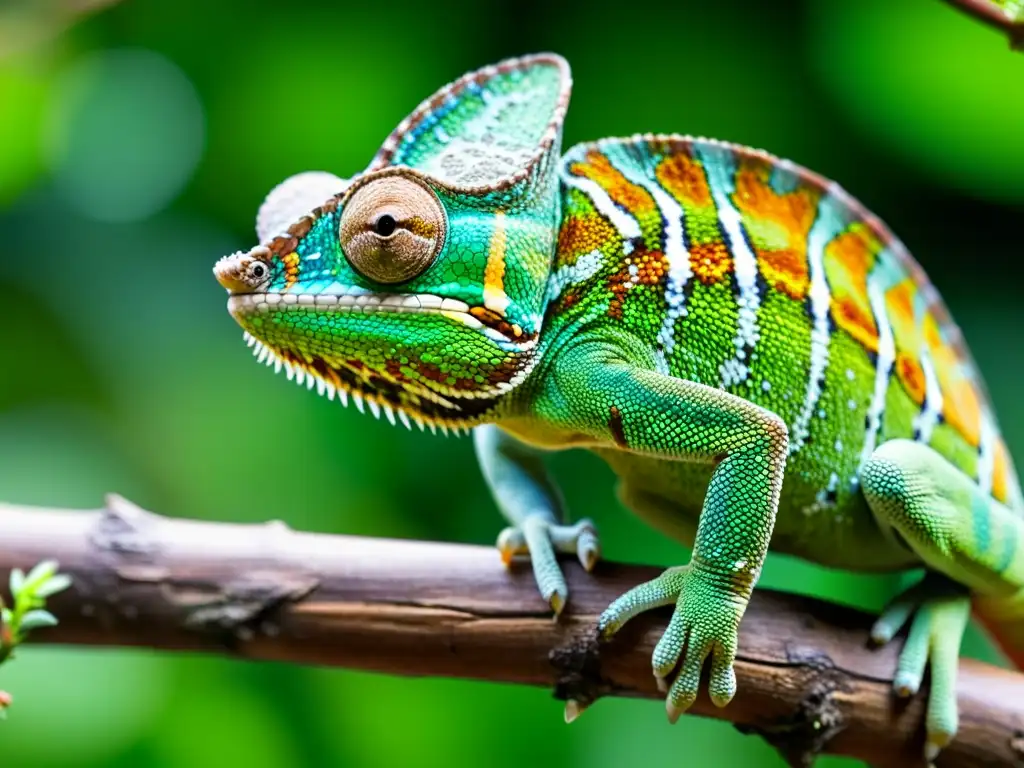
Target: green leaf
{"x":56,"y":583}
{"x":36,"y":619}
{"x":41,"y":573}
{"x":17,"y":582}
{"x":6,"y":616}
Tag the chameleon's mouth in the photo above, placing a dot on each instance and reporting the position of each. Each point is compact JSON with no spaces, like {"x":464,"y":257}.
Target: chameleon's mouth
{"x":385,"y":391}
{"x":356,"y":301}
{"x":477,"y":318}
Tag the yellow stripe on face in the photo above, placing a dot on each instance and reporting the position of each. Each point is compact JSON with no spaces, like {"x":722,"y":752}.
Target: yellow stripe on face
{"x":495,"y":298}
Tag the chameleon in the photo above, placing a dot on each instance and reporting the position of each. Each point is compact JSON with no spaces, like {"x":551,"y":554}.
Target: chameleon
{"x":756,"y":356}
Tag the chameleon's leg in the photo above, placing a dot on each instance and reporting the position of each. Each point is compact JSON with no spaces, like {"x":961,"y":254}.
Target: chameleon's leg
{"x":593,"y":393}
{"x":529,"y":499}
{"x":966,"y":539}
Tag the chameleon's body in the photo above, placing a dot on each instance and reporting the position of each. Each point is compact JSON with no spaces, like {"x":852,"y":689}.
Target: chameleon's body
{"x":709,"y":319}
{"x":699,"y":227}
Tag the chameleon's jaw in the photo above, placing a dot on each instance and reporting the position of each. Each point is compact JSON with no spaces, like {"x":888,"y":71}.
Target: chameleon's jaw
{"x":353,"y":300}
{"x":277,"y":333}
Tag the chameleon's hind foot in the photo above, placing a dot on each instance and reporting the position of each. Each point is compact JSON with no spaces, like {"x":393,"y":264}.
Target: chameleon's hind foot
{"x":938,"y":611}
{"x":542,"y":539}
{"x":705,"y":623}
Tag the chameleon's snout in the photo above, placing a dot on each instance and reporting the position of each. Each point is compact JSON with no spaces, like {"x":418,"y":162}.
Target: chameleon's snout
{"x":243,"y":272}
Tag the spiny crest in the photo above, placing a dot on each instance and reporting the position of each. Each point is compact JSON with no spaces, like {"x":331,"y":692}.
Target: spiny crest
{"x":419,"y":285}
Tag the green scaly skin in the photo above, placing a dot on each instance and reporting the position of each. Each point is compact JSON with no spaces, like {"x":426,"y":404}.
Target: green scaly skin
{"x":754,"y":354}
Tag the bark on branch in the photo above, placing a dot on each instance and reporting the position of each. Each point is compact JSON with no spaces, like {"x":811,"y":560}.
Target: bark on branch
{"x":808,"y":680}
{"x":1007,"y":16}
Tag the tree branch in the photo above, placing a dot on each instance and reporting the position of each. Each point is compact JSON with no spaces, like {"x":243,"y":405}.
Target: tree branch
{"x":808,"y":681}
{"x":1007,"y":15}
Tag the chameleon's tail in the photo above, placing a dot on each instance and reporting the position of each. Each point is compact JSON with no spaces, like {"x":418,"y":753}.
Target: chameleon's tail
{"x":1004,"y":620}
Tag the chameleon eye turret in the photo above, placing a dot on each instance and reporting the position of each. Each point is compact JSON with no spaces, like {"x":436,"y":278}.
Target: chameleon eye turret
{"x":392,"y":229}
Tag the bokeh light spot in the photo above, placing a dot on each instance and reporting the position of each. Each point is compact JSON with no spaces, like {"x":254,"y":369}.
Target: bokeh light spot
{"x":124,"y":134}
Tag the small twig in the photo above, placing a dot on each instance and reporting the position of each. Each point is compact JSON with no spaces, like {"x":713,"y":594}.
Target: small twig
{"x":808,"y":681}
{"x":1007,"y":15}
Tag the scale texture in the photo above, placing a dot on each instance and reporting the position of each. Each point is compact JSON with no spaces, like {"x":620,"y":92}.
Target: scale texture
{"x":756,"y":356}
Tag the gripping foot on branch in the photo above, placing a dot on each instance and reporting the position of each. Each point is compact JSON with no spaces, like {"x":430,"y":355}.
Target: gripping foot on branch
{"x":705,"y":623}
{"x":542,"y":540}
{"x":938,"y":611}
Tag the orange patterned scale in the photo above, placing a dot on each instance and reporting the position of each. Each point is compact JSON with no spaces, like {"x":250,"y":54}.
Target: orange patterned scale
{"x":911,"y":375}
{"x":779,"y":225}
{"x":684,"y":178}
{"x":581,"y":235}
{"x":633,"y":198}
{"x":849,"y":258}
{"x":961,"y":406}
{"x":906,"y":331}
{"x":291,"y":268}
{"x":1001,"y":471}
{"x":650,"y":269}
{"x":710,"y":262}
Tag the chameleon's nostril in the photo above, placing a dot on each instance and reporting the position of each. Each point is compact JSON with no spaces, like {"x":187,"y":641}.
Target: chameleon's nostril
{"x":230,"y":272}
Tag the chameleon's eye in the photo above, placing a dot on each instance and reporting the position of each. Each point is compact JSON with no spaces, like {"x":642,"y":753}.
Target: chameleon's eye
{"x":255,"y":273}
{"x":392,"y":229}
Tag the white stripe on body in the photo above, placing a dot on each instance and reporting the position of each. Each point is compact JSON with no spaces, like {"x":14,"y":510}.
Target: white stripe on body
{"x":719,"y":166}
{"x":827,"y":225}
{"x":883,"y":365}
{"x":676,"y":252}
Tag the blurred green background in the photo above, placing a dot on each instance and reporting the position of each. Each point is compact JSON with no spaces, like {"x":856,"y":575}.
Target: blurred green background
{"x":137,"y":139}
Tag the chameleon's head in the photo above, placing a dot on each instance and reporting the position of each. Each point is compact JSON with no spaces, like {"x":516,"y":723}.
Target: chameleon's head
{"x":418,"y":286}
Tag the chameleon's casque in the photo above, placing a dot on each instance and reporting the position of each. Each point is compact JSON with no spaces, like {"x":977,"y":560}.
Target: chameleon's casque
{"x":756,"y":356}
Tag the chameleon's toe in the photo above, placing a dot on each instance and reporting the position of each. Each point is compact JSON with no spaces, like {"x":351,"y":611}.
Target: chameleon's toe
{"x":938,"y":615}
{"x":705,"y":623}
{"x":541,"y":539}
{"x":664,"y":590}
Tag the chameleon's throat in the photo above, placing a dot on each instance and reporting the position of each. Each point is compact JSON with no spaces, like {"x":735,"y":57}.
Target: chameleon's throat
{"x":376,"y":390}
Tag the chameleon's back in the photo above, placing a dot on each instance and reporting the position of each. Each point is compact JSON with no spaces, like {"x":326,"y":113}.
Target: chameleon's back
{"x":752,"y":274}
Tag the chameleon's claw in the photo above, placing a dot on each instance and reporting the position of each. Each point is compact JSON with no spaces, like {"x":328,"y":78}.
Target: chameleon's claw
{"x":936,"y":743}
{"x":588,"y":548}
{"x":510,"y":543}
{"x":557,"y":603}
{"x":541,"y":539}
{"x":573,"y":709}
{"x":673,"y":712}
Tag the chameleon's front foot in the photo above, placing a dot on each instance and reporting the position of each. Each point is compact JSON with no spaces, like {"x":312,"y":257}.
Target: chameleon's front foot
{"x":541,"y":539}
{"x":940,"y":610}
{"x":705,"y":622}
